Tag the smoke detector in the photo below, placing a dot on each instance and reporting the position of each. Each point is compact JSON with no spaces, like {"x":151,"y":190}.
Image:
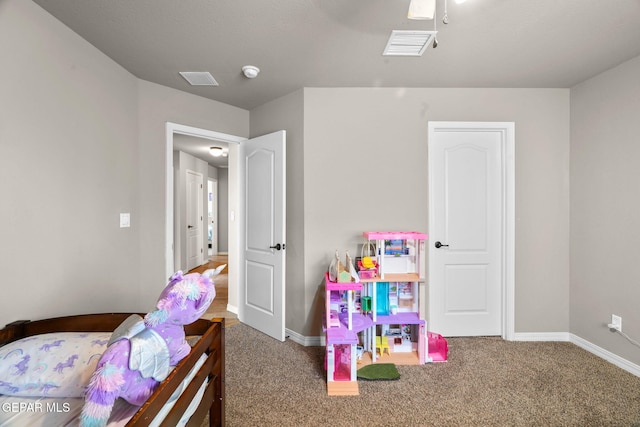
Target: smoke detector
{"x":250,"y":71}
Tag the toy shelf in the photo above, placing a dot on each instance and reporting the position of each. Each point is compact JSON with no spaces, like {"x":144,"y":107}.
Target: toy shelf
{"x":400,"y":319}
{"x":394,"y":277}
{"x":341,"y":286}
{"x":395,"y":235}
{"x":341,"y":335}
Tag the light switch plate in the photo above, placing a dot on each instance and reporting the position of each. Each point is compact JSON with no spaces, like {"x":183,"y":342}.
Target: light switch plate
{"x":125,"y":220}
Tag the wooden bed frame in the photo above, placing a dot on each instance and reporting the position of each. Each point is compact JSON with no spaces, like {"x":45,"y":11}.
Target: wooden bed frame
{"x":211,"y":341}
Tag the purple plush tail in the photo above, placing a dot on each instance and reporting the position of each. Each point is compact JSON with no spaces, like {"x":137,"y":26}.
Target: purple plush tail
{"x":102,"y":392}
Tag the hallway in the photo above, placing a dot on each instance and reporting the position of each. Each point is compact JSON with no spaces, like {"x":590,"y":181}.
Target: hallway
{"x":218,"y":307}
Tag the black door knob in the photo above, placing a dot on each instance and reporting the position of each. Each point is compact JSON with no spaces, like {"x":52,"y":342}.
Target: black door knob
{"x":440,"y":245}
{"x":277,"y":247}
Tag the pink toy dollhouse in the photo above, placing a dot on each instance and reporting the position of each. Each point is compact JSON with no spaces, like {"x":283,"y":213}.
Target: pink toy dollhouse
{"x":378,"y":318}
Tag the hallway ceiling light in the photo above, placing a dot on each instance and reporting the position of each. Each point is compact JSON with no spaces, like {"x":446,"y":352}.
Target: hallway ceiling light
{"x":218,"y":151}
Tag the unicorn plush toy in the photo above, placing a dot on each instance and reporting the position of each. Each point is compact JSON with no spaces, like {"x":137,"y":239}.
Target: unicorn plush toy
{"x":141,"y":351}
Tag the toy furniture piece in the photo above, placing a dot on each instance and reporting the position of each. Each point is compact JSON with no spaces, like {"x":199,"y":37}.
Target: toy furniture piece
{"x":382,"y":345}
{"x":343,"y":273}
{"x":378,"y":314}
{"x":199,"y":377}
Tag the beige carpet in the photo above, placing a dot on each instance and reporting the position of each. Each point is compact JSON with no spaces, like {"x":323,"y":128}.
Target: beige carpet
{"x":486,"y":382}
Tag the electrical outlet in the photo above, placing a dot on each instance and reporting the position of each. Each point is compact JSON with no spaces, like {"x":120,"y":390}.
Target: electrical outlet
{"x":616,"y":323}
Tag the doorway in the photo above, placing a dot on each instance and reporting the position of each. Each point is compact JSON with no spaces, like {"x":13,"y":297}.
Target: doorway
{"x":471,"y":228}
{"x":233,"y":241}
{"x":253,"y":164}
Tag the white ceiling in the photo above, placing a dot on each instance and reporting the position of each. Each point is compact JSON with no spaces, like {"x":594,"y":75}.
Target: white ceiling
{"x":338,"y":43}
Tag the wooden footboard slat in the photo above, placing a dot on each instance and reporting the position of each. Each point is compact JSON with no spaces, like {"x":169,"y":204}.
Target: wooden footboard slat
{"x":217,"y":411}
{"x":183,"y":402}
{"x":203,"y":409}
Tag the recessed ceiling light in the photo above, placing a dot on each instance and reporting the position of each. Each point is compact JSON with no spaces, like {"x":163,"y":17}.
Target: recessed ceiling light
{"x":199,"y":78}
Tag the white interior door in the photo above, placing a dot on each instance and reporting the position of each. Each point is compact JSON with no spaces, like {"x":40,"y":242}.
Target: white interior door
{"x":467,"y":225}
{"x":262,"y":296}
{"x":194,"y":219}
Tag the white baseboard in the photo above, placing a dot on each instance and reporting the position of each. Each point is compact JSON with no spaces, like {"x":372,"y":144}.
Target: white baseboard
{"x":304,"y":340}
{"x":232,"y":308}
{"x":582,"y":343}
{"x":542,"y":336}
{"x":606,"y":355}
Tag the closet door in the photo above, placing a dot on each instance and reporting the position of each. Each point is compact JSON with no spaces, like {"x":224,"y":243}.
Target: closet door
{"x":467,"y":228}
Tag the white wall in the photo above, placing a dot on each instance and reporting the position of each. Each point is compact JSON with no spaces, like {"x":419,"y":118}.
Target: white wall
{"x":221,"y":233}
{"x":357,"y":159}
{"x":68,"y":168}
{"x":92,"y":138}
{"x":156,"y":106}
{"x":365,"y":168}
{"x":223,"y":210}
{"x":605,"y":207}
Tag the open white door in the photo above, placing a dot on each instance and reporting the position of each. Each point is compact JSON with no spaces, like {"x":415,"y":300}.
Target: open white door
{"x":262,"y":293}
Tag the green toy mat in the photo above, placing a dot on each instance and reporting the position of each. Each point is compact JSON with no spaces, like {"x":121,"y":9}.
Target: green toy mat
{"x":379,"y":371}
